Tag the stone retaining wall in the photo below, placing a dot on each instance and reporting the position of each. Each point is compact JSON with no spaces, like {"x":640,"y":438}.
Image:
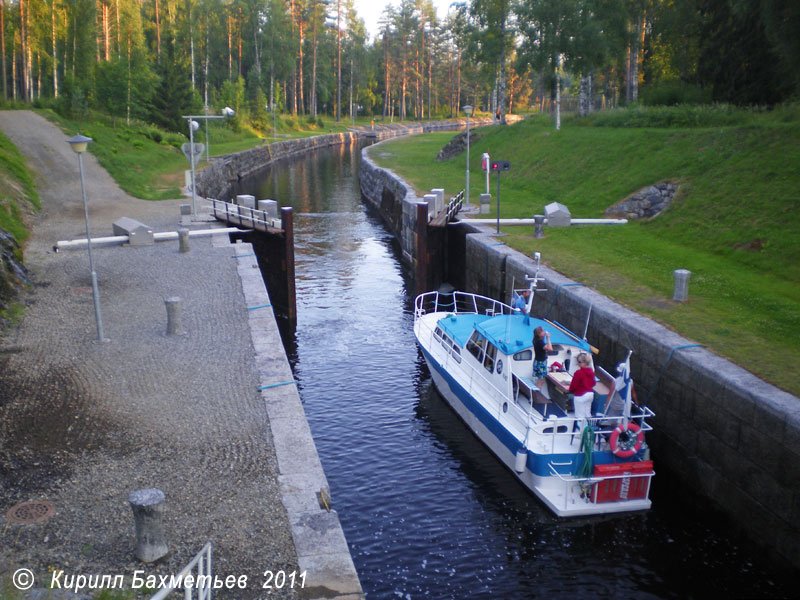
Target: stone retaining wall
{"x":728,"y":435}
{"x":216,"y":180}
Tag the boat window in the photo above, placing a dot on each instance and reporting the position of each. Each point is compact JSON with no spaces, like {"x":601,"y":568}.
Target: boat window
{"x":438,"y":333}
{"x":491,"y":353}
{"x":457,"y":353}
{"x":446,"y":342}
{"x":475,"y":345}
{"x":524,"y":355}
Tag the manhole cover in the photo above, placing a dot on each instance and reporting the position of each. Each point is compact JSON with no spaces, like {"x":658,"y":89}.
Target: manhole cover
{"x":32,"y":511}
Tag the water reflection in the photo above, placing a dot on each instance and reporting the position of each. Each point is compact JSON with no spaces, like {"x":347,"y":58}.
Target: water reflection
{"x":427,"y":510}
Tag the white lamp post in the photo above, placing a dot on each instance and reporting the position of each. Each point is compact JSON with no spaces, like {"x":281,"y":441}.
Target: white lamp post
{"x":79,"y":144}
{"x":468,"y":112}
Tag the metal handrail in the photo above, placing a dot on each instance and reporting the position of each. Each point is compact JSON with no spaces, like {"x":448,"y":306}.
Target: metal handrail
{"x":225,"y":211}
{"x":203,"y":571}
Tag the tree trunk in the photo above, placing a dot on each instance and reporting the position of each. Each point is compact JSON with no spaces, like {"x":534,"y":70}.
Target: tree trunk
{"x":158,"y":31}
{"x":502,"y":90}
{"x":301,"y":100}
{"x":55,"y":54}
{"x":338,"y":62}
{"x":23,"y":49}
{"x":314,"y":63}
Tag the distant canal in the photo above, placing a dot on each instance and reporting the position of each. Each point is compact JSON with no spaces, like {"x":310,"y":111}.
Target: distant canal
{"x":427,"y":510}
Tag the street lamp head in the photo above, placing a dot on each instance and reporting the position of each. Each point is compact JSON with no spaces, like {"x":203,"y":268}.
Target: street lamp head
{"x":79,"y":143}
{"x":228,"y":112}
{"x":467,"y":110}
{"x":194,"y":125}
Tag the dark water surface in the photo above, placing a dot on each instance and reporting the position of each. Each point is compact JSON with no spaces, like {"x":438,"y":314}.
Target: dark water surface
{"x":427,"y":510}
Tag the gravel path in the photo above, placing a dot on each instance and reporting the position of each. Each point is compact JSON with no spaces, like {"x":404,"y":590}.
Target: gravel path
{"x":84,"y":423}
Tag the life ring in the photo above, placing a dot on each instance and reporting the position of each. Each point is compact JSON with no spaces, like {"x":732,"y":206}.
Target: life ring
{"x":631,"y":442}
{"x":556,"y":366}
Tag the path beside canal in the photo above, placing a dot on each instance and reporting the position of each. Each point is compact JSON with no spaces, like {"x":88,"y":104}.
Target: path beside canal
{"x":84,"y":423}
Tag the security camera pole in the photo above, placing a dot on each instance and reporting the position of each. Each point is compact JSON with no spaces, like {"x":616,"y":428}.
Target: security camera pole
{"x":194,"y":126}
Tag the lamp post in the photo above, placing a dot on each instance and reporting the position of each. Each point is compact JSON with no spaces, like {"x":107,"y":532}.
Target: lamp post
{"x":468,"y":112}
{"x":79,"y":144}
{"x":194,"y":126}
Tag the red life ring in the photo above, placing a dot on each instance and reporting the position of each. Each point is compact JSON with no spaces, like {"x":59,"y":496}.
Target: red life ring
{"x":630,"y":444}
{"x":556,"y":366}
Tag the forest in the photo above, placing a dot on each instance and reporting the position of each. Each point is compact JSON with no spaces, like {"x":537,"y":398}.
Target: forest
{"x":155,"y":60}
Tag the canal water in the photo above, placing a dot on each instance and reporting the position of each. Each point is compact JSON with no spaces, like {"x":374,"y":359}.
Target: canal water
{"x":427,"y":510}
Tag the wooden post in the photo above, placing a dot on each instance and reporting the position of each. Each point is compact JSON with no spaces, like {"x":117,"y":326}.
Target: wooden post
{"x":287,"y":224}
{"x":422,"y":247}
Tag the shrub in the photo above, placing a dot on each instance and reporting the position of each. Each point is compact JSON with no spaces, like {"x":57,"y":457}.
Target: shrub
{"x":685,"y":115}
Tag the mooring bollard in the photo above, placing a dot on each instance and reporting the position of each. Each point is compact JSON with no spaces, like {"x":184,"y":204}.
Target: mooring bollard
{"x":174,"y":325}
{"x":681,"y":293}
{"x":148,"y":510}
{"x":183,"y":240}
{"x":538,"y":226}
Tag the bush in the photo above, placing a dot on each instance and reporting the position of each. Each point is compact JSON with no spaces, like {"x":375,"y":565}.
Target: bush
{"x":674,"y":93}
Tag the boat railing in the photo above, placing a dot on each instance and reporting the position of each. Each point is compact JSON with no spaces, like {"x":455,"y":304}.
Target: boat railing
{"x":592,"y":480}
{"x":459,"y":303}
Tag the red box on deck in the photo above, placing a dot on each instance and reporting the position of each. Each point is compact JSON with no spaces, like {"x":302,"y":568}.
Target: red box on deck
{"x":622,"y":488}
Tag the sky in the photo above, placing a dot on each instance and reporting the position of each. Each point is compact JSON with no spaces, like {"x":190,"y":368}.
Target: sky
{"x":370,"y":11}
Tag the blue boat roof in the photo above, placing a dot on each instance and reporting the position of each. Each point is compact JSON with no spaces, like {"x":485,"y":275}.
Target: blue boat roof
{"x":510,"y":333}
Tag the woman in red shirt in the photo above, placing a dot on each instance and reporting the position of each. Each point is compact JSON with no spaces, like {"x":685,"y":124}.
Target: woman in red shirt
{"x":582,"y":386}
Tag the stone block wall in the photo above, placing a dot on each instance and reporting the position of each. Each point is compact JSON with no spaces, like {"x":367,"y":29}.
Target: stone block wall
{"x":395,"y":200}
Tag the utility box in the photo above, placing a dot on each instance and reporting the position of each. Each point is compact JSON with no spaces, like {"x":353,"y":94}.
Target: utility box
{"x":138,"y":233}
{"x":557,"y":215}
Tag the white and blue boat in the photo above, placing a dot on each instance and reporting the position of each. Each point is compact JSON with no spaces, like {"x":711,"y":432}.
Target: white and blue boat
{"x":480,"y":355}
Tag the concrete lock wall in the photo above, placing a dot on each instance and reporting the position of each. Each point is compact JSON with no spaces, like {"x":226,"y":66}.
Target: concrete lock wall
{"x":725,"y":433}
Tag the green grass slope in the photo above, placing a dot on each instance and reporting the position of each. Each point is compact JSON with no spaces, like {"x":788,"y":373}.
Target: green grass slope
{"x":735,"y":222}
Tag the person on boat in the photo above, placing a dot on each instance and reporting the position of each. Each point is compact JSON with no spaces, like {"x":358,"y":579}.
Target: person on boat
{"x":521,"y":301}
{"x":582,"y":388}
{"x":541,"y":346}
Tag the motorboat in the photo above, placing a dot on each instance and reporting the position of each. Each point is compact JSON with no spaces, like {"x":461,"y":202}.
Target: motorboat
{"x":480,"y":355}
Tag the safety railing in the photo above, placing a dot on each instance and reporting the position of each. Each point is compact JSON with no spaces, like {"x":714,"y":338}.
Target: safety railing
{"x":243,"y":215}
{"x":197,"y":573}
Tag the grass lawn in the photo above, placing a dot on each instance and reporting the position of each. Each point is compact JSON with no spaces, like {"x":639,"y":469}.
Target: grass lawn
{"x":735,"y":222}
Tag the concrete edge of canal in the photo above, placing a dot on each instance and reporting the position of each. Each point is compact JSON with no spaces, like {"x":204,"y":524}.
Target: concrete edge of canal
{"x":321,"y":546}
